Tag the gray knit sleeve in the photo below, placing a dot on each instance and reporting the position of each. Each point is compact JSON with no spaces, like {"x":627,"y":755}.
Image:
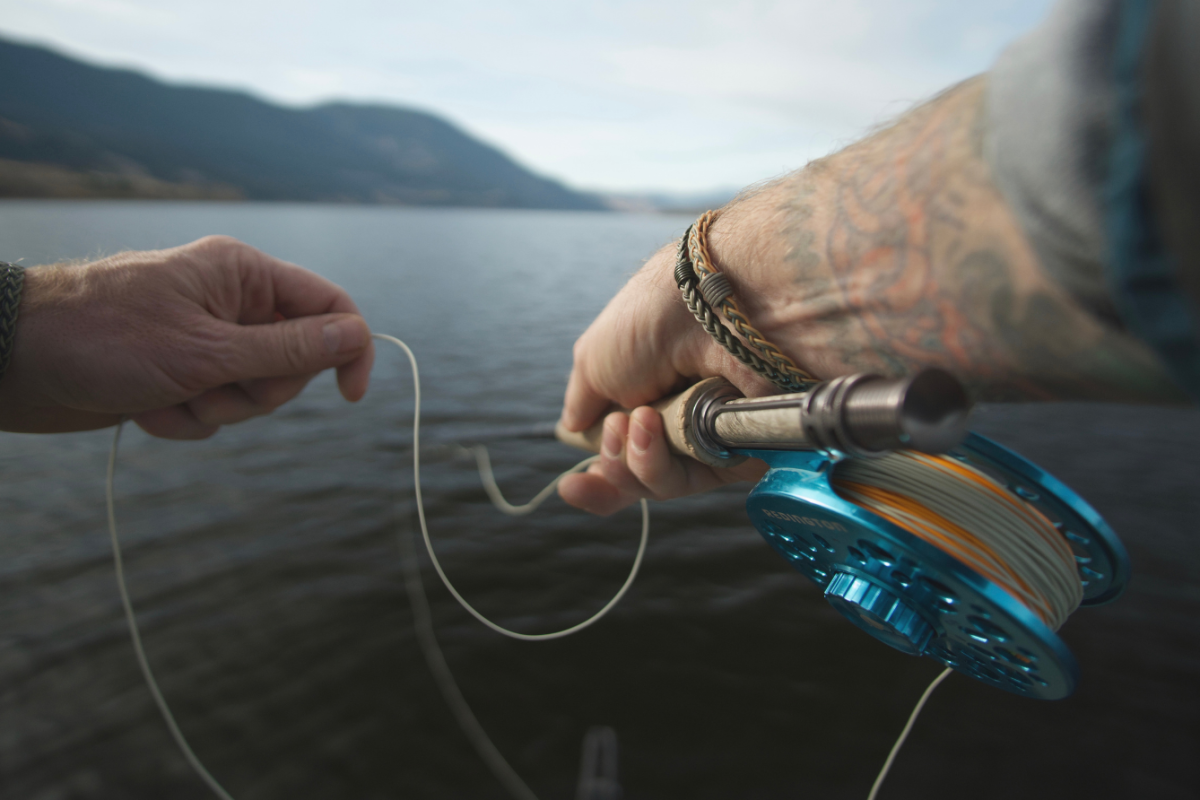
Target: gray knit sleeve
{"x":1050,"y":105}
{"x":1093,"y":136}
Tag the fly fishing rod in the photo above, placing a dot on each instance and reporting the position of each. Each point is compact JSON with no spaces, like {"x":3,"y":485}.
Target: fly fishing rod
{"x":936,"y":541}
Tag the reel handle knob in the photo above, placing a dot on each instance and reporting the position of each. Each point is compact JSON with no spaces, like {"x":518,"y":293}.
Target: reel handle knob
{"x":879,"y":612}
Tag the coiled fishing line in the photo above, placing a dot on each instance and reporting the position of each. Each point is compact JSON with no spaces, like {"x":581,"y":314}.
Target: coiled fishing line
{"x":423,"y":620}
{"x":964,"y":512}
{"x":424,"y":624}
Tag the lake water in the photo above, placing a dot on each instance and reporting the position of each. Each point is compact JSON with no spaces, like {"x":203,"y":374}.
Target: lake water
{"x":265,"y":570}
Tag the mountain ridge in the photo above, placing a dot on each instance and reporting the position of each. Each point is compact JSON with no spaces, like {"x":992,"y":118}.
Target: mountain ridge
{"x":98,"y":131}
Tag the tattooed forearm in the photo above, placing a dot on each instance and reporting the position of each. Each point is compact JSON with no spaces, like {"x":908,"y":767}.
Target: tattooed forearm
{"x":902,"y":253}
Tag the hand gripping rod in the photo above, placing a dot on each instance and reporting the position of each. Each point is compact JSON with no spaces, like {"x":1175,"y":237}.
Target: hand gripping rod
{"x":858,"y":415}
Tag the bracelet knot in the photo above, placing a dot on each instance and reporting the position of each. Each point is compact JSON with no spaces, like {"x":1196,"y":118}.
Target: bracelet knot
{"x":705,"y":288}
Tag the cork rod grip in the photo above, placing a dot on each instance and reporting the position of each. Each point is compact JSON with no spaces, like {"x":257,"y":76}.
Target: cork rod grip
{"x":676,"y":412}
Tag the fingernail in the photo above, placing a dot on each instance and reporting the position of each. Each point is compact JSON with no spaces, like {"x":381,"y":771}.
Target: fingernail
{"x":610,"y":444}
{"x":639,"y":437}
{"x":344,"y":336}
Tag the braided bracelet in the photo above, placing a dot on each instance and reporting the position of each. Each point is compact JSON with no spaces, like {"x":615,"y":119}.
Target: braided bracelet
{"x":12,"y":279}
{"x":703,"y":286}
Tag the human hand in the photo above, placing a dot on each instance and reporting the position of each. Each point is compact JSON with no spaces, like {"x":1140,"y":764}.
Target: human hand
{"x":896,"y":254}
{"x":642,"y":346}
{"x":182,"y":341}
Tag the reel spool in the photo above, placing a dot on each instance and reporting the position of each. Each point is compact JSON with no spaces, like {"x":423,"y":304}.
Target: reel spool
{"x":902,"y":589}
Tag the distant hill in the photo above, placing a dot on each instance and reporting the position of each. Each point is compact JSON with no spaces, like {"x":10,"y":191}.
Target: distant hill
{"x":69,"y":129}
{"x":692,"y":203}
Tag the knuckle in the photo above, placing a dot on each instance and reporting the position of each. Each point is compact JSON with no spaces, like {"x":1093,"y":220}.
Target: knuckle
{"x":269,"y":399}
{"x":174,"y":423}
{"x":273,"y":394}
{"x":210,"y":416}
{"x":206,"y":359}
{"x":217,"y":241}
{"x":184,"y":364}
{"x":579,"y":349}
{"x":219,"y":249}
{"x":297,"y":352}
{"x":652,"y":480}
{"x":218,"y":406}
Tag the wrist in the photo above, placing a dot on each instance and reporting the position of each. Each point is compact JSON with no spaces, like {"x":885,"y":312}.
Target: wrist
{"x":756,"y":242}
{"x":29,"y":401}
{"x":12,"y":280}
{"x":18,"y":383}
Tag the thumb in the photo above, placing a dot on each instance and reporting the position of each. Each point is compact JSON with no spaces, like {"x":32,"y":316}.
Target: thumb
{"x":300,"y":346}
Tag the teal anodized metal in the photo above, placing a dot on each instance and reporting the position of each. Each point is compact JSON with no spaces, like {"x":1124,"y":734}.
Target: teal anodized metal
{"x":919,"y":599}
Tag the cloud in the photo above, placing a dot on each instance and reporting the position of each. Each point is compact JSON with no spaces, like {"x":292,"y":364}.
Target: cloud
{"x":671,"y":94}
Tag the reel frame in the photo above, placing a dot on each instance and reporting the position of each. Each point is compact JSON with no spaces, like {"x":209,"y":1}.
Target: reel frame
{"x":919,"y":599}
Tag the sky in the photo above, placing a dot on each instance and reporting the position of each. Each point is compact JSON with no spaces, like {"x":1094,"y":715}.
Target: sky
{"x":621,"y":96}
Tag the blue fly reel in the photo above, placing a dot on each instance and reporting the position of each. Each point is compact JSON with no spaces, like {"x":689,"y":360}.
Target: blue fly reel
{"x":920,"y":600}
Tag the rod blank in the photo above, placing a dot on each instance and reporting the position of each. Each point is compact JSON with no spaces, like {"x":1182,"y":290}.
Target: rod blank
{"x":861,"y":415}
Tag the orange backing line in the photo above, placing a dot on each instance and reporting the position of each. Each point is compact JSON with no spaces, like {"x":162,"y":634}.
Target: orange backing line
{"x":1039,"y":522}
{"x":950,"y":538}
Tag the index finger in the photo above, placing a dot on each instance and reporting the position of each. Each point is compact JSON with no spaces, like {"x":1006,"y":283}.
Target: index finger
{"x":582,"y":405}
{"x":301,"y":293}
{"x":292,"y":291}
